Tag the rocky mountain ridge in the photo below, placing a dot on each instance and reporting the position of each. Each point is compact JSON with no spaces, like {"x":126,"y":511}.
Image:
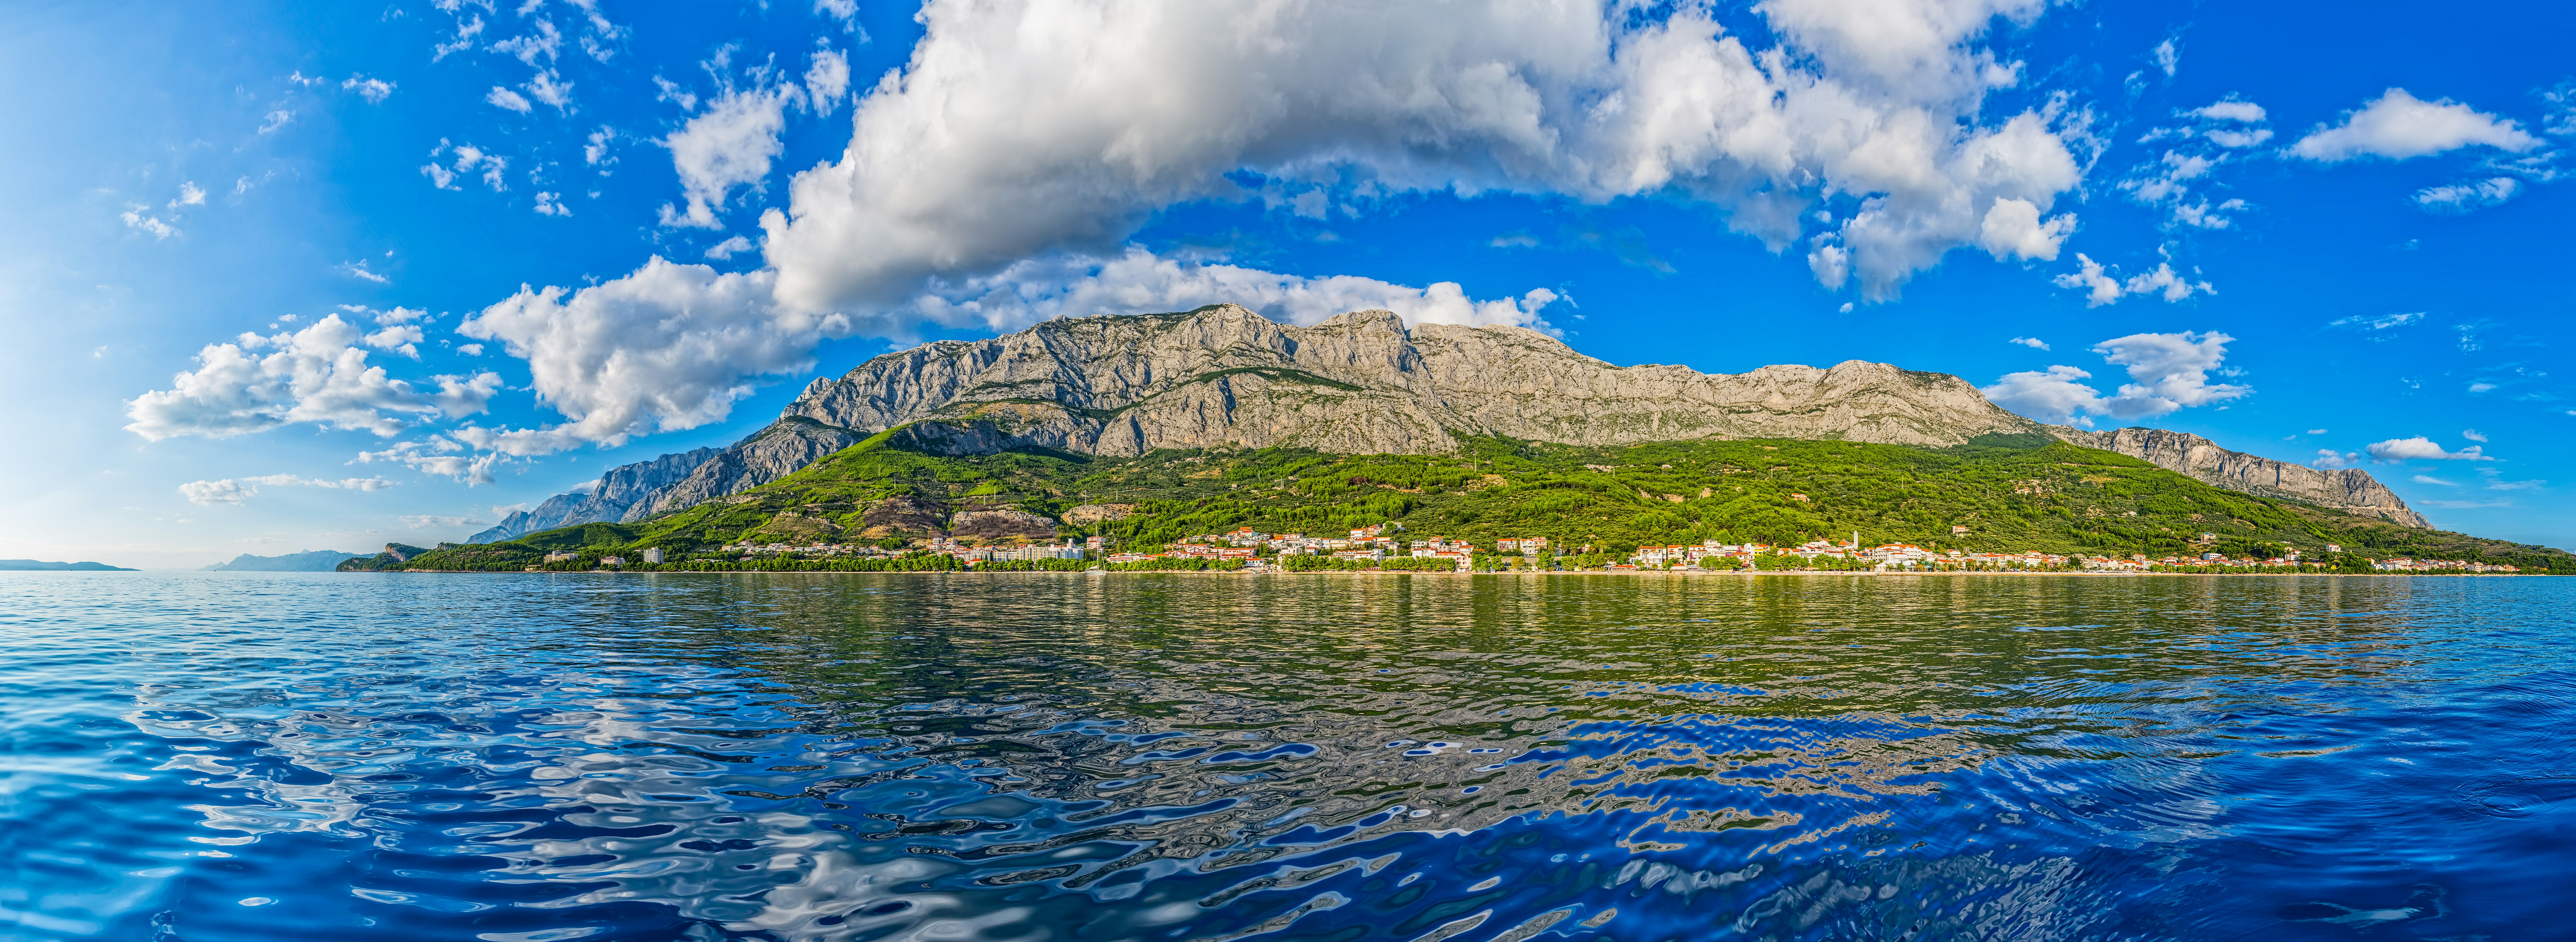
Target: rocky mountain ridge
{"x":1223,"y":376}
{"x":2348,"y":489}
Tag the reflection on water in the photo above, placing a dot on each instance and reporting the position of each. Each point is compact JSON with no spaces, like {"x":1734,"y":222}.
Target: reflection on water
{"x":1048,"y":756}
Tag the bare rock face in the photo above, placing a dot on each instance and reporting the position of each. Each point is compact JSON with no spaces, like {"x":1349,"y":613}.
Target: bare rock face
{"x":1089,"y":514}
{"x":901,"y":513}
{"x":995,"y":523}
{"x":625,"y":493}
{"x":772,"y":453}
{"x":1361,"y":382}
{"x":2348,"y":489}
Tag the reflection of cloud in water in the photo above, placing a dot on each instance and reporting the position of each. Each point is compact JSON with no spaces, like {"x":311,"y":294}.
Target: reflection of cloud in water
{"x":993,"y":820}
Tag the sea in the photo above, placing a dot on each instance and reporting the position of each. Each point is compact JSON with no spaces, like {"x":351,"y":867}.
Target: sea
{"x":1137,"y":756}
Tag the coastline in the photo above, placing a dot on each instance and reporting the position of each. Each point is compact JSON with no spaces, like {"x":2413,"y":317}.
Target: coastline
{"x":1377,"y":573}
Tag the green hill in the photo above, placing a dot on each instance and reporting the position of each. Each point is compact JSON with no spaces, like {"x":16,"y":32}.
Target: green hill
{"x":2010,"y":493}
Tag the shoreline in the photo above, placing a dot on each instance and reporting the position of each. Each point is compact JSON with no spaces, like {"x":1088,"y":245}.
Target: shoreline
{"x":1375,"y":573}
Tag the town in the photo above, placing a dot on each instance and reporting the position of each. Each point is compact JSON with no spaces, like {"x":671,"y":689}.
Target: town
{"x":1388,"y":546}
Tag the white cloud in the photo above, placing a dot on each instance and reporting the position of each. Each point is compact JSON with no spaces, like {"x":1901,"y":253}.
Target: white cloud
{"x":399,"y":338}
{"x":359,"y":268}
{"x":846,"y":11}
{"x":438,"y":455}
{"x":427,"y":522}
{"x":2031,"y":342}
{"x":728,"y":146}
{"x":314,"y":375}
{"x":465,"y":32}
{"x":2231,"y":109}
{"x":670,"y":346}
{"x":2102,"y":287}
{"x":2164,"y":281}
{"x":2463,"y":197}
{"x":504,"y":98}
{"x":1138,"y":281}
{"x":548,"y":88}
{"x":275,"y":121}
{"x":1880,"y":104}
{"x":672,"y":92}
{"x":2327,"y":458}
{"x":351,"y":484}
{"x":2054,"y":395}
{"x":545,"y":43}
{"x":2167,"y":372}
{"x":2422,"y":448}
{"x":374,"y":90}
{"x":190,"y":194}
{"x":211,"y":493}
{"x":2013,"y":230}
{"x":232,"y":491}
{"x":726,"y":249}
{"x":135,"y":219}
{"x":2366,"y":322}
{"x":470,"y":349}
{"x":826,"y":80}
{"x":2429,"y":479}
{"x":595,"y":150}
{"x":2173,"y":181}
{"x":2316,"y":431}
{"x":2167,"y":57}
{"x":550,"y":204}
{"x":2398,"y":126}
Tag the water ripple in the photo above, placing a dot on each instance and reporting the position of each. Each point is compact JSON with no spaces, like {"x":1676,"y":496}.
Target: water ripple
{"x":836,"y":757}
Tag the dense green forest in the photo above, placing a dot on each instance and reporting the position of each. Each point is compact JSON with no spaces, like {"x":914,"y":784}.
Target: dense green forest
{"x":2010,"y":493}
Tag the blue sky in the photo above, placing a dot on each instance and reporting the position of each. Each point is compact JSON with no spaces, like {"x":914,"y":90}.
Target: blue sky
{"x":2326,"y":234}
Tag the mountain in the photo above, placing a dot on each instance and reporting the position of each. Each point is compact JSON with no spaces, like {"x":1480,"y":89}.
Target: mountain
{"x":1362,"y":383}
{"x":2349,"y":489}
{"x":1998,"y":493}
{"x":624,"y":493}
{"x":1225,"y":377}
{"x":395,"y":556}
{"x":25,"y":565}
{"x":313,"y":561}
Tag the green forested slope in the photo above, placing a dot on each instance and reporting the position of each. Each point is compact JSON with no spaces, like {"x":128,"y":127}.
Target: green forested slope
{"x":2012,"y":494}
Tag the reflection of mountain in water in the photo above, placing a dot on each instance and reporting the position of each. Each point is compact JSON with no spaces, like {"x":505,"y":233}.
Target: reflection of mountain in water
{"x":861,"y":758}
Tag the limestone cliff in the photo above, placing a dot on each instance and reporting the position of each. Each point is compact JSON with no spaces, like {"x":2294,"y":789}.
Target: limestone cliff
{"x":2349,"y":489}
{"x":769,"y":454}
{"x":624,"y":494}
{"x":1362,"y":382}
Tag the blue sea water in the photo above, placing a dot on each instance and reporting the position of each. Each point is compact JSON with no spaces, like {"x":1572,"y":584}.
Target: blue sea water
{"x":261,"y":756}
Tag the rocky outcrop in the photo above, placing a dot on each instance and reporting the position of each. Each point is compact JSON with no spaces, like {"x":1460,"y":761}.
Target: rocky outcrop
{"x":994,"y":523}
{"x":2347,"y":489}
{"x":900,"y":514}
{"x":624,"y":494}
{"x":1089,"y":514}
{"x":769,"y":454}
{"x":628,"y":493}
{"x":1362,"y":382}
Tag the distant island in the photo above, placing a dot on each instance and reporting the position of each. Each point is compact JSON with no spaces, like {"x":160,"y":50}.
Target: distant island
{"x":309,"y":561}
{"x":1149,"y":440}
{"x":37,"y":565}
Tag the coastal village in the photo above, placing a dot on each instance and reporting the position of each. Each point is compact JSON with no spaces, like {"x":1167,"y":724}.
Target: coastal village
{"x":1249,"y":550}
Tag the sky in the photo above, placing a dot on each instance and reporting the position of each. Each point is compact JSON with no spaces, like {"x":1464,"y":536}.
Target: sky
{"x":287,"y":277}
